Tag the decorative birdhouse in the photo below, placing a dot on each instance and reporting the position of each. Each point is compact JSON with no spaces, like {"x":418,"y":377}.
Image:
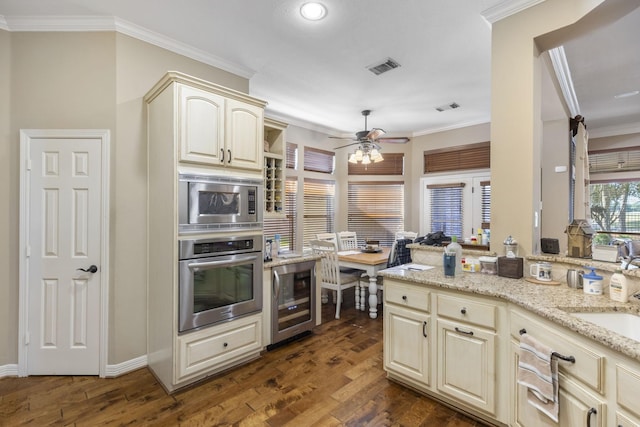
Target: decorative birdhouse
{"x":580,"y":234}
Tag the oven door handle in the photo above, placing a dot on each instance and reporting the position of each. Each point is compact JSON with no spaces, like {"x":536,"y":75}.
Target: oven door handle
{"x":203,"y":265}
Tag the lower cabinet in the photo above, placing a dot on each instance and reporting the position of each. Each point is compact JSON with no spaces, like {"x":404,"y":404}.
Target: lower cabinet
{"x":216,"y":348}
{"x":407,"y":342}
{"x":467,"y":364}
{"x":578,"y":405}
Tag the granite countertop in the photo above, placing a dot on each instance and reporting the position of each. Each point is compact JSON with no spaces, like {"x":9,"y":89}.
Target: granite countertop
{"x":551,"y":302}
{"x":290,"y":259}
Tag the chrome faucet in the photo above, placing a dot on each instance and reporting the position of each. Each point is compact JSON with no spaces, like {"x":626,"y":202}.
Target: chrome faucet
{"x":631,"y":259}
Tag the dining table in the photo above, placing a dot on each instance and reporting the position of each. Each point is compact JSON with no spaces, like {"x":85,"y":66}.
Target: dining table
{"x":369,"y":261}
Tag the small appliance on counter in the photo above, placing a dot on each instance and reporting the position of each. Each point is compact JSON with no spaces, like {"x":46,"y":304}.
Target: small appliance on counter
{"x":549,"y":246}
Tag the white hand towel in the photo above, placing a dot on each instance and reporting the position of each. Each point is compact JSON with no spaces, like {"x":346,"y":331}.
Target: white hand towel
{"x":538,"y":371}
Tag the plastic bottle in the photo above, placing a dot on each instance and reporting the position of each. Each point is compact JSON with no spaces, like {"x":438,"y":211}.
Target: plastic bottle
{"x":454,"y":247}
{"x":618,"y":287}
{"x":479,"y":237}
{"x":275,"y":249}
{"x":592,"y":283}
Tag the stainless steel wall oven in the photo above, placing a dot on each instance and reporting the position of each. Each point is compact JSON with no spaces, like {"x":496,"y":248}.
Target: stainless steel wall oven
{"x":220,"y":279}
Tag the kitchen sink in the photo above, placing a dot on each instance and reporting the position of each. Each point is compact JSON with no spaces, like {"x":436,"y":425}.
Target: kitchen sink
{"x":625,"y":324}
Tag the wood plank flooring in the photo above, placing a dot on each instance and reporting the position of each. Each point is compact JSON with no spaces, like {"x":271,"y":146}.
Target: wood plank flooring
{"x":333,"y":377}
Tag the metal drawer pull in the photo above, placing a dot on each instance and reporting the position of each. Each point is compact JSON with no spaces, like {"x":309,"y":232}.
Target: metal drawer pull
{"x":424,"y":329}
{"x":221,"y":155}
{"x":464,"y":332}
{"x":591,"y":411}
{"x":555,"y":353}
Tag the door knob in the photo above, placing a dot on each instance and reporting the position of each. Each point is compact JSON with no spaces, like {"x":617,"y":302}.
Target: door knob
{"x":91,"y":269}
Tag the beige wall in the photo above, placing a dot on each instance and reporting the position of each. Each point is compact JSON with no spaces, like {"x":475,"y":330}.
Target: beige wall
{"x":87,"y":80}
{"x":8,"y":260}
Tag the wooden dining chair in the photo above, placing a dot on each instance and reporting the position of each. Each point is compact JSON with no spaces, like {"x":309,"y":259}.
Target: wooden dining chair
{"x":330,"y":277}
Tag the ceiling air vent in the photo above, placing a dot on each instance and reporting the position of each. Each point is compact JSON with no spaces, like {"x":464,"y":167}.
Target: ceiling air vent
{"x":448,"y":106}
{"x":387,"y":65}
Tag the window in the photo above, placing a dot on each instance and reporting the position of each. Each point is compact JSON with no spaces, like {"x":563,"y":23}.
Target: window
{"x":285,"y":227}
{"x":319,"y":202}
{"x":465,"y":157}
{"x":457,"y":205}
{"x":393,"y":164}
{"x":614,"y":191}
{"x":292,"y":156}
{"x":376,"y":210}
{"x":316,"y":160}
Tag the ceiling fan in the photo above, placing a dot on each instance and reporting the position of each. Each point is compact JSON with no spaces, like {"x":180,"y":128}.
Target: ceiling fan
{"x":366,"y":137}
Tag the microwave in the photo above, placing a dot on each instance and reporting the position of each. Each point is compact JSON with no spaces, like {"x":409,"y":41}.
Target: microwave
{"x":218,"y":203}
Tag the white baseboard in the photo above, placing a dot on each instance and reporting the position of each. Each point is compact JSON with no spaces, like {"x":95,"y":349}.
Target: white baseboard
{"x":125,"y":367}
{"x":11,"y":370}
{"x":8,"y":371}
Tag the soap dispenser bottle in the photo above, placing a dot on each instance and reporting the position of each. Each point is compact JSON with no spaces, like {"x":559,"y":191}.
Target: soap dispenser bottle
{"x":618,"y":287}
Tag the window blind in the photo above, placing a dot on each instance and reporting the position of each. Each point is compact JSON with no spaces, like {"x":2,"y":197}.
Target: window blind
{"x":376,"y":210}
{"x":485,"y":208}
{"x":292,"y":156}
{"x":317,"y":160}
{"x":285,"y":227}
{"x":393,"y":164}
{"x":319,"y":202}
{"x":472,"y":156}
{"x":447,"y":208}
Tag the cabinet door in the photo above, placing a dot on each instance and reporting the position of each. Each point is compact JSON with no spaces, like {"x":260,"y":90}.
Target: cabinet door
{"x":201,"y":119}
{"x":407,"y":342}
{"x":244,"y":135}
{"x":578,"y":407}
{"x":466,"y":364}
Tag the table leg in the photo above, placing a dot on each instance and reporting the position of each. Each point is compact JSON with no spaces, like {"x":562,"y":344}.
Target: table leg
{"x":373,"y":297}
{"x":357,"y":294}
{"x":363,"y":296}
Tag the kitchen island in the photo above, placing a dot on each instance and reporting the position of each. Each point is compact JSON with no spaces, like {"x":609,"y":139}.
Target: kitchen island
{"x":457,"y":340}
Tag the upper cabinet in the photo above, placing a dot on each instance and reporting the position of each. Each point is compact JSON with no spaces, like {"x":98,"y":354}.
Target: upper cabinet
{"x":274,"y":168}
{"x":217,"y":127}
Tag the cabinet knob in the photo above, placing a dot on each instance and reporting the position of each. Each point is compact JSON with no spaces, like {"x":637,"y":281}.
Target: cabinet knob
{"x":404,"y":297}
{"x":464,"y":310}
{"x":225,"y":345}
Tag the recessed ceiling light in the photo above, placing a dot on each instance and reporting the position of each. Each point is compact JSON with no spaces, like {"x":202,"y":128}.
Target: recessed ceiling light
{"x":313,"y":11}
{"x":627,"y":94}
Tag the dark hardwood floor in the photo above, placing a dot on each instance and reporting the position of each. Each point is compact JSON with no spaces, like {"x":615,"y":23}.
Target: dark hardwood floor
{"x":333,"y":377}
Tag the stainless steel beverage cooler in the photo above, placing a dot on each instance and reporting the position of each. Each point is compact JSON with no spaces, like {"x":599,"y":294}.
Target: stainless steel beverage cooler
{"x":293,"y":305}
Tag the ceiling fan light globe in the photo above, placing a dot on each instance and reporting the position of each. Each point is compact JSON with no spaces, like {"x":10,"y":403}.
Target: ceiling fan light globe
{"x":358,"y":155}
{"x":352,"y":158}
{"x":378,"y":159}
{"x":366,"y":160}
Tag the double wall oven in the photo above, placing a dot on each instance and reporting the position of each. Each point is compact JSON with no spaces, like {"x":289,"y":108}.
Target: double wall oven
{"x":220,"y":249}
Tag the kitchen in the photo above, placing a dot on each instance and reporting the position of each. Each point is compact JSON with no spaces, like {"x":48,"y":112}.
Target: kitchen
{"x":105,"y":101}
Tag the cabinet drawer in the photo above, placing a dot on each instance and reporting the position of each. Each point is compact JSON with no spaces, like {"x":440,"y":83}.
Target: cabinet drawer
{"x":627,"y":388}
{"x":588,"y":366}
{"x":215,"y":348}
{"x":415,"y":297}
{"x":467,"y":310}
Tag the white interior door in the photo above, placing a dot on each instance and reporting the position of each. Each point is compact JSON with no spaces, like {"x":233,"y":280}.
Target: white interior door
{"x":63,"y":218}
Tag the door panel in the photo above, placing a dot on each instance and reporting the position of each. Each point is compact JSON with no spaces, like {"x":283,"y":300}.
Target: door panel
{"x":64,"y":236}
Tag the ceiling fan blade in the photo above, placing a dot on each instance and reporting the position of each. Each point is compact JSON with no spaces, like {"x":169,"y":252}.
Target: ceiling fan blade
{"x":375,"y":133}
{"x":400,"y":140}
{"x":344,"y":138}
{"x":348,"y":145}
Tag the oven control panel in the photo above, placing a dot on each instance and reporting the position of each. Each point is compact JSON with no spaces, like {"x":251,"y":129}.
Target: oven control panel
{"x":197,"y":248}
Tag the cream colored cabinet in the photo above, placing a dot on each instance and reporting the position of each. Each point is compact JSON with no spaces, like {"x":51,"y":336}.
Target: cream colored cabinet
{"x":215,"y":348}
{"x":467,"y":349}
{"x":201,"y":116}
{"x":581,"y":382}
{"x":191,"y":126}
{"x":243,"y":143}
{"x":407,"y":332}
{"x":214,"y":126}
{"x":274,"y":168}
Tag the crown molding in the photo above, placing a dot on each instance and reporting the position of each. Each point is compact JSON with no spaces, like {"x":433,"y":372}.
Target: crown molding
{"x":110,"y":23}
{"x":506,"y":8}
{"x":607,"y":131}
{"x":563,"y":74}
{"x":453,"y":127}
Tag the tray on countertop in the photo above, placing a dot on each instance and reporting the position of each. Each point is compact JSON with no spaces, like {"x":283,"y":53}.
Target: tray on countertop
{"x":542,"y":282}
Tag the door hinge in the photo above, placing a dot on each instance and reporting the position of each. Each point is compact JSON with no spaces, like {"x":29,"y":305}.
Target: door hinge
{"x":28,"y":249}
{"x":29,"y":164}
{"x":27,"y":338}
